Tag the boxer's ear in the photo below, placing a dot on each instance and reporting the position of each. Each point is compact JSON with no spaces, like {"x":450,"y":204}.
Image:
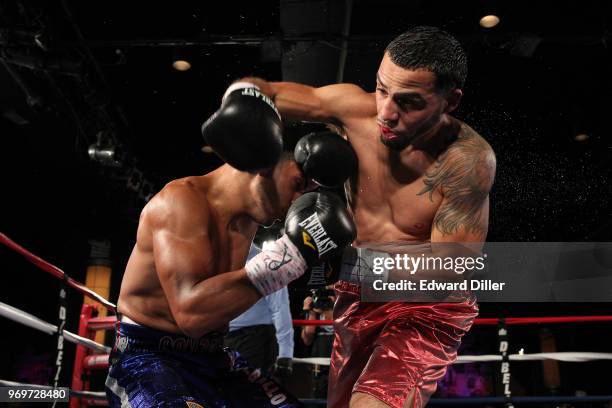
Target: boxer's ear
{"x":452,"y":100}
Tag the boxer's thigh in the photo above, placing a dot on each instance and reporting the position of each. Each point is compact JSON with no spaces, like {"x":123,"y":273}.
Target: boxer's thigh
{"x":363,"y":400}
{"x":151,"y":380}
{"x":356,"y":328}
{"x":410,"y":357}
{"x":348,"y":359}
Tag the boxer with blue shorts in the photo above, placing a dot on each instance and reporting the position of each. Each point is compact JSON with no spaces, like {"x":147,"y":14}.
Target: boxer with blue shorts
{"x":187,"y":278}
{"x":154,"y":368}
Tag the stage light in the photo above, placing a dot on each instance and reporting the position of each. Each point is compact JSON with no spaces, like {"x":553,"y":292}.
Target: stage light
{"x":489,"y":21}
{"x":581,"y":137}
{"x":105,"y":151}
{"x":181,"y":58}
{"x":181,"y":65}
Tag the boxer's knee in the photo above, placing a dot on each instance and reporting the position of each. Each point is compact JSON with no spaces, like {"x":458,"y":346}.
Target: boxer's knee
{"x":411,"y":401}
{"x":363,"y":400}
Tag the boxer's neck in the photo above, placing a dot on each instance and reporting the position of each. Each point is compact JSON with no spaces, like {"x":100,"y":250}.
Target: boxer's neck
{"x":227,"y":193}
{"x":437,"y":138}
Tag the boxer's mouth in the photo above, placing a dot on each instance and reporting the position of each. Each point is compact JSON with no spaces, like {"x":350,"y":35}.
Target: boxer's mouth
{"x":387,"y":133}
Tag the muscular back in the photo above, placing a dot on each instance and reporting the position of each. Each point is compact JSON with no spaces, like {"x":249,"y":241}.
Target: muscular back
{"x":177,"y":248}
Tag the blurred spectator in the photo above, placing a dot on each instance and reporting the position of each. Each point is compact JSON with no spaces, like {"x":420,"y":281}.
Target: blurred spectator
{"x":319,"y":306}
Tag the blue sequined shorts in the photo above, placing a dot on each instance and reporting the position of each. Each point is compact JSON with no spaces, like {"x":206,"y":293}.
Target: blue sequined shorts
{"x":151,"y":368}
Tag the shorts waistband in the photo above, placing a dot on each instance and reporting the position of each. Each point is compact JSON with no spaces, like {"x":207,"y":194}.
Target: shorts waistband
{"x":125,"y":319}
{"x":136,"y":337}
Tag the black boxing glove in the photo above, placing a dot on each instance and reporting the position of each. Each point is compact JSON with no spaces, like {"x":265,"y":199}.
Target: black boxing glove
{"x":326,"y":158}
{"x":317,"y":226}
{"x":246,"y":131}
{"x":323,"y":274}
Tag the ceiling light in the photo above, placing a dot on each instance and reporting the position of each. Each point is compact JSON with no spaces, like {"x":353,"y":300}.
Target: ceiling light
{"x":581,"y":137}
{"x":181,"y":65}
{"x":489,"y":21}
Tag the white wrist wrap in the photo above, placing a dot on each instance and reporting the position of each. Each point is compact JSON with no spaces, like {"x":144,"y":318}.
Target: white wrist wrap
{"x":274,"y":268}
{"x":238,"y":85}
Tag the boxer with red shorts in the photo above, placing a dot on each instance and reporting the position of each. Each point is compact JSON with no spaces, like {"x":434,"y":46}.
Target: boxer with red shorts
{"x":423,"y":177}
{"x":391,"y":349}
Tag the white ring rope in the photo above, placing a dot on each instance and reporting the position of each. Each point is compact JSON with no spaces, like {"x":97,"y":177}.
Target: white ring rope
{"x":568,"y":356}
{"x":34,"y":322}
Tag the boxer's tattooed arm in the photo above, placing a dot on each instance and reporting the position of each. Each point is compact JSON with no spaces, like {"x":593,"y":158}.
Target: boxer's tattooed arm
{"x":464,"y":175}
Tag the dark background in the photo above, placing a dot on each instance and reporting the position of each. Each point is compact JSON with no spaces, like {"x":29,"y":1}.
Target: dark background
{"x":72,"y":70}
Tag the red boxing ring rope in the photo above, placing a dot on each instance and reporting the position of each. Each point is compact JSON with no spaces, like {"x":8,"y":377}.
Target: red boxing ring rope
{"x":106,"y":323}
{"x":55,"y":271}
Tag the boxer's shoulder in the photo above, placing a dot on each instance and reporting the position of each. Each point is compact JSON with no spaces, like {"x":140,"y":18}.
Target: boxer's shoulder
{"x":186,"y":188}
{"x":181,"y":201}
{"x":468,"y":145}
{"x":467,"y":164}
{"x":468,"y":135}
{"x":347,"y":103}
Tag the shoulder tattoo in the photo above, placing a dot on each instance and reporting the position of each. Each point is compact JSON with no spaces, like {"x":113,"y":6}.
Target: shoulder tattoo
{"x":464,"y":175}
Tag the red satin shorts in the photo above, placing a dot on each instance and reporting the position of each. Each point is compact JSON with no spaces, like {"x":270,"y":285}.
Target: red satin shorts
{"x":387,"y":350}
